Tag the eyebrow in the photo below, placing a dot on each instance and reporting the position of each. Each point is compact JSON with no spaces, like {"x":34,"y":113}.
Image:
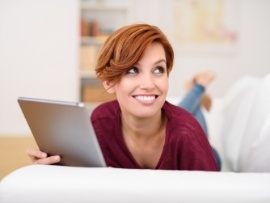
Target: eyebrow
{"x":160,"y":61}
{"x":157,"y":62}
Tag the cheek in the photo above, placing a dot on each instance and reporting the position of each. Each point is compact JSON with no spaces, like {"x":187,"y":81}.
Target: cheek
{"x":126,"y":83}
{"x":123,"y":87}
{"x":164,"y":84}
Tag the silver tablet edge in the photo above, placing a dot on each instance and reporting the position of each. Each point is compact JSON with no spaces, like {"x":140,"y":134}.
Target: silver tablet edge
{"x":80,"y":104}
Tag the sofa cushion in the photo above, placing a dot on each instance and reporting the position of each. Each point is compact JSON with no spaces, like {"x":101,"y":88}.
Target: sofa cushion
{"x":255,"y":151}
{"x":37,"y":183}
{"x":238,"y":103}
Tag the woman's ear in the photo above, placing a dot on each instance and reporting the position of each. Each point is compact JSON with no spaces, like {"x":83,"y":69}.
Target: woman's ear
{"x":109,"y":88}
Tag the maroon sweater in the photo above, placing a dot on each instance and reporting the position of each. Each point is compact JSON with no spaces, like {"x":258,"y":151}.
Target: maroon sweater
{"x":186,"y":146}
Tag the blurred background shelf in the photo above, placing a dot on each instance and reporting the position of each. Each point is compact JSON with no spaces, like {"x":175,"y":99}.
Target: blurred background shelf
{"x":98,"y":20}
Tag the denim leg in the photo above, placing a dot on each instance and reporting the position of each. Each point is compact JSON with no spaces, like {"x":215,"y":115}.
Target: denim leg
{"x":201,"y":119}
{"x":192,"y":99}
{"x":191,"y":103}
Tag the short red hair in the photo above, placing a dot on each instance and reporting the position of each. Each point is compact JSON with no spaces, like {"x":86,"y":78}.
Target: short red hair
{"x":125,"y":47}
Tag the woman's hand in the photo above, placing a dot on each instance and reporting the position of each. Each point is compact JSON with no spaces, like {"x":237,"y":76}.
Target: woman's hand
{"x":39,"y":157}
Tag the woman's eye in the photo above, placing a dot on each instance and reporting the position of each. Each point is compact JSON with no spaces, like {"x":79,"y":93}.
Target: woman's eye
{"x":133,"y":70}
{"x":159,"y":69}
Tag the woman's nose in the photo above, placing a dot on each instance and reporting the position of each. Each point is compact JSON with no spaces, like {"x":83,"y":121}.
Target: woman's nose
{"x":146,"y":81}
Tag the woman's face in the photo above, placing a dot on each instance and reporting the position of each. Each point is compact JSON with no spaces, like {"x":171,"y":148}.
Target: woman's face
{"x":142,"y":91}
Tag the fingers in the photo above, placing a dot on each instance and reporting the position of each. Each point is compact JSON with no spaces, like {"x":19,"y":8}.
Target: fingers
{"x":35,"y":154}
{"x":48,"y":161}
{"x":39,"y":157}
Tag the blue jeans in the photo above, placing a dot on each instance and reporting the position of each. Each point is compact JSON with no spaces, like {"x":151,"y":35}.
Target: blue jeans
{"x":192,"y":103}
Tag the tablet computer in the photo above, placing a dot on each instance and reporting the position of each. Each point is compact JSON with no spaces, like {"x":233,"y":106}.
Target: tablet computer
{"x":63,"y":128}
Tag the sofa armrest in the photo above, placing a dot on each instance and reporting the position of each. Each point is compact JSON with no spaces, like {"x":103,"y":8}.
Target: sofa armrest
{"x":38,"y":183}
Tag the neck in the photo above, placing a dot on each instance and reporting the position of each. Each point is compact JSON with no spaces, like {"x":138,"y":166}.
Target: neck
{"x":143,"y":128}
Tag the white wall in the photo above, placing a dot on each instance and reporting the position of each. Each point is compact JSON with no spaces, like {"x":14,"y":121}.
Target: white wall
{"x":39,"y":43}
{"x":38,"y":55}
{"x":251,"y":57}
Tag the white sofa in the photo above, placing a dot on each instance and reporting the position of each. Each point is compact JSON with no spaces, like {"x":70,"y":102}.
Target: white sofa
{"x":240,"y":125}
{"x":239,"y":128}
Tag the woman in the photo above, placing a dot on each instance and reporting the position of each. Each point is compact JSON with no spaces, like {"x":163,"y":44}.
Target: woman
{"x":141,"y":129}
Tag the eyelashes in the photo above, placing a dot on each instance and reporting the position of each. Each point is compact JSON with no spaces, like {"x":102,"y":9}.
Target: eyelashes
{"x":133,"y":70}
{"x":157,"y":70}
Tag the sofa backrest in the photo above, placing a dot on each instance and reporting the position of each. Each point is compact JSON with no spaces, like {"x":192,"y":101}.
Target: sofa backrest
{"x":245,"y":133}
{"x":255,"y":148}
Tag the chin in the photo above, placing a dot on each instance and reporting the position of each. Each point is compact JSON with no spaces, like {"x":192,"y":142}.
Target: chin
{"x":146,"y":113}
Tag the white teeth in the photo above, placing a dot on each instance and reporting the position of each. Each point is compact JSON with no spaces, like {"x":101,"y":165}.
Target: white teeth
{"x":145,"y":98}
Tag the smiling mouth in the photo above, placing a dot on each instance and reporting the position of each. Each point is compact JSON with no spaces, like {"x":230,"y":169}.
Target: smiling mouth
{"x":145,"y":98}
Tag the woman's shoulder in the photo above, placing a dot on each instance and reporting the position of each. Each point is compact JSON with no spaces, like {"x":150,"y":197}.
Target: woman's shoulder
{"x":173,"y":111}
{"x":105,"y":110}
{"x":179,"y":119}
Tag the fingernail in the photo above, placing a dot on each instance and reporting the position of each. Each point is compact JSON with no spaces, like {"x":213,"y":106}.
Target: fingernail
{"x":44,"y":155}
{"x":57,"y":158}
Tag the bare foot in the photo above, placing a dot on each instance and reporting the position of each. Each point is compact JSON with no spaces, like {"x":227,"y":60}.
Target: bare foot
{"x":189,"y":84}
{"x":204,"y":78}
{"x":206,"y":101}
